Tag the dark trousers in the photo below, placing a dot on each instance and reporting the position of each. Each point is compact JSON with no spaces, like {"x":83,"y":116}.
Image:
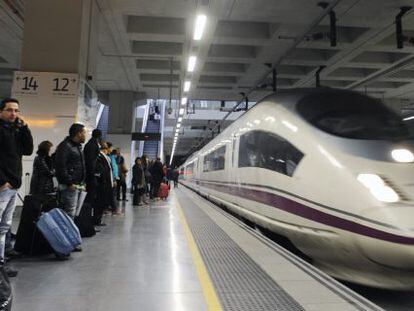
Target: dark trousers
{"x":121,"y":187}
{"x":151,"y":190}
{"x":175,"y":183}
{"x":137,"y":195}
{"x":112,"y":202}
{"x":98,"y":211}
{"x":156,"y":188}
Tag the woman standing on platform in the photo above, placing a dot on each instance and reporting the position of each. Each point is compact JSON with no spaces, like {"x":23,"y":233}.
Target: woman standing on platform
{"x":147,"y":175}
{"x":43,"y":172}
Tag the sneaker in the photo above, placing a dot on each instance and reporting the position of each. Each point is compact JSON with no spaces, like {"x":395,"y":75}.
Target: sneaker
{"x":11,"y":273}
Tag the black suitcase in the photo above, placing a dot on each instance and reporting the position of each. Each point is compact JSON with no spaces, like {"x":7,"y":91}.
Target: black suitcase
{"x":29,"y":240}
{"x":85,"y":221}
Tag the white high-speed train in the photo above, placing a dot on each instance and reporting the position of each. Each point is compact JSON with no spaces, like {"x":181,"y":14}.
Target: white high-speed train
{"x":331,"y":170}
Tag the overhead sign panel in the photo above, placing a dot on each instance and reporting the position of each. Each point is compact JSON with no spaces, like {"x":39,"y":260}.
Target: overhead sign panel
{"x":46,"y":85}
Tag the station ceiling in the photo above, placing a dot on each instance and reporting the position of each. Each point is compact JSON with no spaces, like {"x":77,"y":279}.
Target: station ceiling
{"x":144,"y":46}
{"x":141,"y":40}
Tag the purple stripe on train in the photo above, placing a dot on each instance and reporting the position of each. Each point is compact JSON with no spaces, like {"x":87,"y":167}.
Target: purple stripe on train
{"x":307,"y":212}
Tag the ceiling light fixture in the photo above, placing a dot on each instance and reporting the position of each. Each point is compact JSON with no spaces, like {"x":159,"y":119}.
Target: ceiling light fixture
{"x":200,"y":24}
{"x":187,"y":85}
{"x":191,"y":63}
{"x":181,"y":111}
{"x":184,"y":101}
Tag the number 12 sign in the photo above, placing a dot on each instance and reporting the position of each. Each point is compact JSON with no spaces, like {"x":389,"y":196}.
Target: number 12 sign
{"x":45,"y":85}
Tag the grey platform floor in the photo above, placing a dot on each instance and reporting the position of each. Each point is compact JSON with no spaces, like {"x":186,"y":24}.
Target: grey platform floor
{"x":139,"y":261}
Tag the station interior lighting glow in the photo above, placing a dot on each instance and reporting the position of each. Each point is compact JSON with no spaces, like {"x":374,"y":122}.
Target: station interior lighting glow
{"x":184,"y":101}
{"x":187,"y":85}
{"x":180,"y":119}
{"x":200,"y":24}
{"x":192,"y":60}
{"x":178,"y":125}
{"x":181,"y":111}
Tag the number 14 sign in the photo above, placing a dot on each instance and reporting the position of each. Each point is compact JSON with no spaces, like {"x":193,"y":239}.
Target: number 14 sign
{"x":45,"y":85}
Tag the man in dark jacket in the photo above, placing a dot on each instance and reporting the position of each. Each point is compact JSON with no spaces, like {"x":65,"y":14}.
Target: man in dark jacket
{"x":91,"y":153}
{"x":15,"y":141}
{"x":70,"y":169}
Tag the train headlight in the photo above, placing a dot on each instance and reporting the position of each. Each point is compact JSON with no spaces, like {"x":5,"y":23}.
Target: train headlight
{"x":402,"y":155}
{"x":378,"y":188}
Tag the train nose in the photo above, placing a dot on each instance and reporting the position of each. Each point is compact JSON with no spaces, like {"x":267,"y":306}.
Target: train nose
{"x":393,"y":242}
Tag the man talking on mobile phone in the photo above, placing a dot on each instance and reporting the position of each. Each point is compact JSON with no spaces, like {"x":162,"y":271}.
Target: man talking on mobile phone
{"x":15,"y":141}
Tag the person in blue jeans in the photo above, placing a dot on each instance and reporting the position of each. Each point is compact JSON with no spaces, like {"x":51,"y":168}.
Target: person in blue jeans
{"x":15,"y":140}
{"x":70,"y":171}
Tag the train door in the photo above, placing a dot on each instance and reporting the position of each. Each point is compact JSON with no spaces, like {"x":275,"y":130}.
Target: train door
{"x":195,"y":170}
{"x":235,"y":180}
{"x":198,"y":175}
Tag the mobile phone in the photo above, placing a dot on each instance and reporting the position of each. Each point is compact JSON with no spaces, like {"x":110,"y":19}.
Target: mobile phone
{"x":18,"y":122}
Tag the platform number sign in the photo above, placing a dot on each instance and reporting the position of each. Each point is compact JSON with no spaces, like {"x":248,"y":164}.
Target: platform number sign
{"x":46,"y":85}
{"x":61,"y":84}
{"x":30,"y":84}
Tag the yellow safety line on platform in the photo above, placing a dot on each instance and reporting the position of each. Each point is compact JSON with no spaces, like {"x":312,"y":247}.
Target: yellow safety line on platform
{"x":210,"y":296}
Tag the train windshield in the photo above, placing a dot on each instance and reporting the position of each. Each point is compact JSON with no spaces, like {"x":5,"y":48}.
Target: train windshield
{"x":353,"y":115}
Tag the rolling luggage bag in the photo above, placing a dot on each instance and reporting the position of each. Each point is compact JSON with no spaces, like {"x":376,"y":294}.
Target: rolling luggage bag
{"x":60,"y":231}
{"x":163,"y":192}
{"x":29,"y":240}
{"x":85,"y":221}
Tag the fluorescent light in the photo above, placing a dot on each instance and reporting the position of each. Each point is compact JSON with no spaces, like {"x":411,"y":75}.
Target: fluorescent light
{"x":191,"y":63}
{"x":187,"y":85}
{"x":402,"y":155}
{"x":181,"y":111}
{"x":177,"y":130}
{"x":183,"y":101}
{"x":180,"y":119}
{"x":199,"y":26}
{"x":178,"y":125}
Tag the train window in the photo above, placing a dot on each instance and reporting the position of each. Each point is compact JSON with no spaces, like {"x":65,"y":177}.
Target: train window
{"x":269,"y":151}
{"x":353,"y":115}
{"x":214,"y":161}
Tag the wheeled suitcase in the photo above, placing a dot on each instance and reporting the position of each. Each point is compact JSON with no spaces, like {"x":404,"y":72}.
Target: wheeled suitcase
{"x":164,"y":191}
{"x":85,"y":221}
{"x":60,"y":231}
{"x":29,"y":240}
